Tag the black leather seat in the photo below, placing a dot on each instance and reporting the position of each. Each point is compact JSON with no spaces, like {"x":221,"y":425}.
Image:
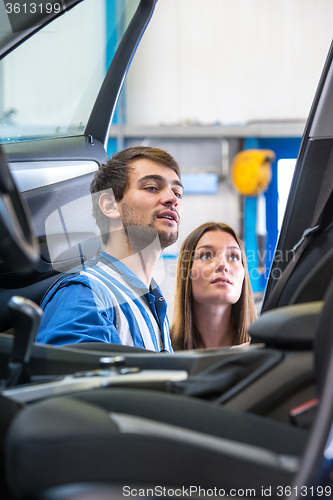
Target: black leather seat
{"x":142,"y":436}
{"x":146,"y":437}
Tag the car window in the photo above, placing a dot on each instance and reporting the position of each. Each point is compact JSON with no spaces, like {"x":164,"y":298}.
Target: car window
{"x":49,"y":84}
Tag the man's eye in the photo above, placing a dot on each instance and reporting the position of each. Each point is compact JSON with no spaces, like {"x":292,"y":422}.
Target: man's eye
{"x":179,"y":195}
{"x":151,"y":188}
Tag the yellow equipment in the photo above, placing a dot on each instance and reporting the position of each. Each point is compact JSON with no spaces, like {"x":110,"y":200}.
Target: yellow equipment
{"x":251,"y":171}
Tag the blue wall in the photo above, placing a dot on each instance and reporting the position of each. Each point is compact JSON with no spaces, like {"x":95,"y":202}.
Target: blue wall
{"x":112,"y":14}
{"x":283,"y":148}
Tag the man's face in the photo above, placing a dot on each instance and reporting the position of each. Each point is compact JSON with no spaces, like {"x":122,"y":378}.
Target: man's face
{"x":153,"y":200}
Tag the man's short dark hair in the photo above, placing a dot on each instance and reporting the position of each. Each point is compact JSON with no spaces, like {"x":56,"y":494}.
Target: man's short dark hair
{"x":115,"y":175}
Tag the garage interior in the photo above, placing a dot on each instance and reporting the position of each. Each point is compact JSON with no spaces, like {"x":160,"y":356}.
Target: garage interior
{"x":252,"y":91}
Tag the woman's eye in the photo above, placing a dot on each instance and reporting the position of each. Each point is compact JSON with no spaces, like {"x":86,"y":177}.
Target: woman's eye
{"x":234,"y":257}
{"x":206,"y":256}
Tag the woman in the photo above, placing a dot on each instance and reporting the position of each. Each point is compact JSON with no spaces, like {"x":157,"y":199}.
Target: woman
{"x":214,"y":304}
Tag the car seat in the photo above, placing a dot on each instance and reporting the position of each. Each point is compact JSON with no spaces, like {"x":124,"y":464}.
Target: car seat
{"x":145,"y":437}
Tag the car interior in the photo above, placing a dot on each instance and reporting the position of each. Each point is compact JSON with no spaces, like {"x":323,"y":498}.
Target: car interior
{"x":80,"y":421}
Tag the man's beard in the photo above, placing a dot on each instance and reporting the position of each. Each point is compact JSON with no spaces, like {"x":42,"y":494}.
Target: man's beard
{"x":141,"y":235}
{"x":167,"y":239}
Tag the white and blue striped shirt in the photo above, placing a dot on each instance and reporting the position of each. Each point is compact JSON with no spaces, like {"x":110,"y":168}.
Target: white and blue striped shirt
{"x":104,"y":301}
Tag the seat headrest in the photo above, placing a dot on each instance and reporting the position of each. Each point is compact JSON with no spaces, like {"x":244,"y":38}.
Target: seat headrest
{"x":291,"y":327}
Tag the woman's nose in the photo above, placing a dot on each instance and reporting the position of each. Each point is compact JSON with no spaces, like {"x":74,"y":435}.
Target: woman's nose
{"x":222,"y":266}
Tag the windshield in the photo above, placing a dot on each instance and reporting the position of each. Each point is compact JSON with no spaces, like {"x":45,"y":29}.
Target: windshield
{"x":49,"y":84}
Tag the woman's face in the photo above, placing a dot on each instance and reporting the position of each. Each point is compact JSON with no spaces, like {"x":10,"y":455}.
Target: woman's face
{"x":217,"y":272}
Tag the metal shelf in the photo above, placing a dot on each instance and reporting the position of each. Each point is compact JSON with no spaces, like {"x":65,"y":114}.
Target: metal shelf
{"x":258,"y":129}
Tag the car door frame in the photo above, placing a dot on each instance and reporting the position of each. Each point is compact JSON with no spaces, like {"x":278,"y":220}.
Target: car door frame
{"x":310,"y":175}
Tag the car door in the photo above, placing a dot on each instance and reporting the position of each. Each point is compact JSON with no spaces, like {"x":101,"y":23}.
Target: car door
{"x":61,"y":73}
{"x":47,"y":199}
{"x":302,"y":264}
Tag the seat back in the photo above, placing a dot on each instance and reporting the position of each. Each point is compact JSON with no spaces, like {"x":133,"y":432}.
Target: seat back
{"x":323,"y":343}
{"x":68,"y":236}
{"x":316,"y":281}
{"x":312,"y":274}
{"x":317,"y":460}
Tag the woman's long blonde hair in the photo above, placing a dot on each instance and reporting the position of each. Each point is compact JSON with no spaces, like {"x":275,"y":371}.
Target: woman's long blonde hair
{"x":184,"y":334}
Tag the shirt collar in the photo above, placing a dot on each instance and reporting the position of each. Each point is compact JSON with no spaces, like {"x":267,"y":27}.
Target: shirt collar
{"x":127,"y":273}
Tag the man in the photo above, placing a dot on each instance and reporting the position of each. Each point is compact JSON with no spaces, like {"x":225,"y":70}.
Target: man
{"x":137,"y":206}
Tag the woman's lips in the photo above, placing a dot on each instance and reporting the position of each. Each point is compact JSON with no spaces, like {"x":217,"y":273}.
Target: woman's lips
{"x":222,"y":280}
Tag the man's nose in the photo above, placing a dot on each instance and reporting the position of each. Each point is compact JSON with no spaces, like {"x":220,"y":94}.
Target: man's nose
{"x":169,"y":197}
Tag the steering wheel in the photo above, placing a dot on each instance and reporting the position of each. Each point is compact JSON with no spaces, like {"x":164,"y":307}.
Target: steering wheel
{"x":19,"y":248}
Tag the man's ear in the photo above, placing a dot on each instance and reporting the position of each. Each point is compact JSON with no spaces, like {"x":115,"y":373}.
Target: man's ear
{"x":108,"y":205}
